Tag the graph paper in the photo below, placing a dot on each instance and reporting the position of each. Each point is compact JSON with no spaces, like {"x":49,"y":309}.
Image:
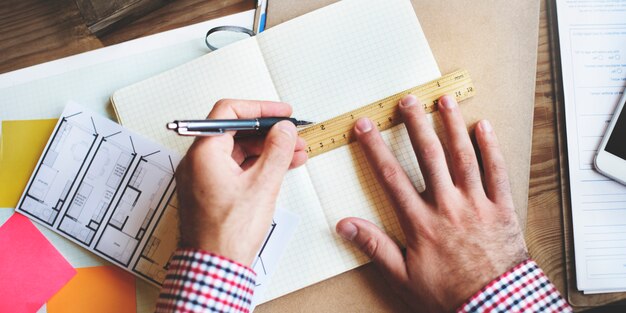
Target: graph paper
{"x":324,"y":63}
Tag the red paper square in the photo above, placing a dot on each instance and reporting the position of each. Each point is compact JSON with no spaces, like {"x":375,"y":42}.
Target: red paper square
{"x":31,"y":269}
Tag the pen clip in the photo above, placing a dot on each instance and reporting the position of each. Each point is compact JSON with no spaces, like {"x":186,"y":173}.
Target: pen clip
{"x":185,"y":132}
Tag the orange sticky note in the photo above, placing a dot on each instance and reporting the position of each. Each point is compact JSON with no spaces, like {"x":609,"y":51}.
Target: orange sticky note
{"x":96,"y":289}
{"x":20,"y":148}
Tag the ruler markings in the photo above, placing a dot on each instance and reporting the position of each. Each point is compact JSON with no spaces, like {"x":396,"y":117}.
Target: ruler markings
{"x":337,"y":132}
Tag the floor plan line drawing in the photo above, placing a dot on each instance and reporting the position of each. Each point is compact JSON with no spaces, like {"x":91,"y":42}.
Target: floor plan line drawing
{"x":259,"y":257}
{"x":142,"y":197}
{"x":53,"y":178}
{"x":113,"y":134}
{"x":113,"y":192}
{"x":93,"y":124}
{"x":171,"y":163}
{"x":96,"y":191}
{"x":149,"y":154}
{"x":132,"y":144}
{"x":155,"y":256}
{"x":103,"y":187}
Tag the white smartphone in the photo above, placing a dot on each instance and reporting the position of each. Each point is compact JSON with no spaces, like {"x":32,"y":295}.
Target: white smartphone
{"x":611,"y":156}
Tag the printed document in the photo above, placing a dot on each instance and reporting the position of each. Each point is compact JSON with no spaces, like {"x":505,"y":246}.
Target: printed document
{"x":593,"y":58}
{"x":111,"y":191}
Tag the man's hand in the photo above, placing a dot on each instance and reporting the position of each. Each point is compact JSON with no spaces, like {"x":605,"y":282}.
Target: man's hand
{"x":227,"y":187}
{"x":462,"y":232}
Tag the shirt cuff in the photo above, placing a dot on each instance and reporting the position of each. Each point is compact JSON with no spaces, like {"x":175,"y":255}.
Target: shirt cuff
{"x":524,"y":288}
{"x":200,"y":281}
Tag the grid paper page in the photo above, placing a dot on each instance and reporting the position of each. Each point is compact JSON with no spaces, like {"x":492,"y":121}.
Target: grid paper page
{"x":347,"y":55}
{"x":324,"y":63}
{"x":189,"y":91}
{"x":354,"y":190}
{"x":312,"y":255}
{"x":353,"y":53}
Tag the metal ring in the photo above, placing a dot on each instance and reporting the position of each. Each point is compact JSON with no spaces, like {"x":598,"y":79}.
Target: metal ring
{"x":237,"y":29}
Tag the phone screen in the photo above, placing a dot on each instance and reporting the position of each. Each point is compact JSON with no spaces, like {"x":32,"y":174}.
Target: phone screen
{"x":617,"y":141}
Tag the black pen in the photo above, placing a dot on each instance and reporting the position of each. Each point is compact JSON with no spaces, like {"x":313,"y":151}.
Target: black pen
{"x":217,"y":127}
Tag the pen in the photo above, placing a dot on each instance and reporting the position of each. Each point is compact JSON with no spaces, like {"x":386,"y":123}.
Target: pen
{"x":260,"y":16}
{"x":218,"y":127}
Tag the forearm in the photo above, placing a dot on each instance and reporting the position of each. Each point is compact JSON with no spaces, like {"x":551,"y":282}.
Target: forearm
{"x":524,"y":288}
{"x":199,"y":281}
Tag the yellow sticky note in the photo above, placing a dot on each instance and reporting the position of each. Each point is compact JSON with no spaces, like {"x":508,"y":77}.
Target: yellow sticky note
{"x":20,"y":148}
{"x":96,"y":289}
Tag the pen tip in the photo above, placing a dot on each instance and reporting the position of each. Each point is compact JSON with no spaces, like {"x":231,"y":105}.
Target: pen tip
{"x":172,"y":126}
{"x":303,"y":123}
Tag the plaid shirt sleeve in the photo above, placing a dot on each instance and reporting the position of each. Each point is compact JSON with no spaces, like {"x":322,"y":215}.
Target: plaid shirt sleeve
{"x":524,"y":288}
{"x":199,"y":281}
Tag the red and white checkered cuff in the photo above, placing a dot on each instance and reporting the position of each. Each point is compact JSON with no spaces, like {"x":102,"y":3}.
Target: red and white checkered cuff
{"x":200,"y":281}
{"x":524,"y":288}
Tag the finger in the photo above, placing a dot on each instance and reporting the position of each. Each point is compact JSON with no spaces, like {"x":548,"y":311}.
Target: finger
{"x":213,"y":150}
{"x":496,"y":177}
{"x":430,"y":155}
{"x":269,"y":170}
{"x":299,"y":158}
{"x":249,"y":163}
{"x":240,"y":109}
{"x":377,"y":246}
{"x":465,"y":170}
{"x":253,"y":146}
{"x":389,"y":173}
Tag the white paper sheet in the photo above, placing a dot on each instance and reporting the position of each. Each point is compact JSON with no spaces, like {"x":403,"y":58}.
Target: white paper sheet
{"x":41,"y":91}
{"x":593,"y":57}
{"x":105,"y":188}
{"x":110,"y":191}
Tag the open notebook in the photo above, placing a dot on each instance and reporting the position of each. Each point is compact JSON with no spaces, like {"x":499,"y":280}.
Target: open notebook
{"x":325,"y":63}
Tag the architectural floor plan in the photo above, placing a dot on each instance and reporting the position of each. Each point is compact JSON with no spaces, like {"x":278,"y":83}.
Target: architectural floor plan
{"x":112,"y":192}
{"x":94,"y":195}
{"x":154,"y":258}
{"x":58,"y":169}
{"x":106,"y":188}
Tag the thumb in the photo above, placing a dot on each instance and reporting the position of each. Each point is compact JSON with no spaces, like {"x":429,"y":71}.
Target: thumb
{"x":277,"y":154}
{"x":376,"y":245}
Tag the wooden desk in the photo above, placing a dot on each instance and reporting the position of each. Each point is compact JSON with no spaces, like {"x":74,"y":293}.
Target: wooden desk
{"x":33,"y":31}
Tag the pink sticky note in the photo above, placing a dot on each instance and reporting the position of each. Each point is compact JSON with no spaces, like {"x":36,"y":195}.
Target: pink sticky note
{"x":31,"y":269}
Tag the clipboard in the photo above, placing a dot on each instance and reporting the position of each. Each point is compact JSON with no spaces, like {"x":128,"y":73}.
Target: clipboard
{"x":575,"y":297}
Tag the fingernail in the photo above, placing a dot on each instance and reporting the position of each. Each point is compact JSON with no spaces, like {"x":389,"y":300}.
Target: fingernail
{"x":448,"y":101}
{"x":364,"y":125}
{"x":347,"y":231}
{"x":485,"y":126}
{"x":287,"y":128}
{"x":408,"y":100}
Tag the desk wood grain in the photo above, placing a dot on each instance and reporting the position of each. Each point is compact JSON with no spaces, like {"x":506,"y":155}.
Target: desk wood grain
{"x":544,"y":235}
{"x":35,"y":31}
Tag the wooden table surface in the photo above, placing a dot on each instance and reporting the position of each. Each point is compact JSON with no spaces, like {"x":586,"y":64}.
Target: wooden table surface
{"x":36,"y":31}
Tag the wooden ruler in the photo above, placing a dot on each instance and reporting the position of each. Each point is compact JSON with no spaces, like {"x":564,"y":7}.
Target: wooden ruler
{"x":338,"y":131}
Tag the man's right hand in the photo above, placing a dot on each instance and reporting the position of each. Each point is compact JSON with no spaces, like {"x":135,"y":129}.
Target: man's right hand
{"x":462,"y":232}
{"x":228,"y":187}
